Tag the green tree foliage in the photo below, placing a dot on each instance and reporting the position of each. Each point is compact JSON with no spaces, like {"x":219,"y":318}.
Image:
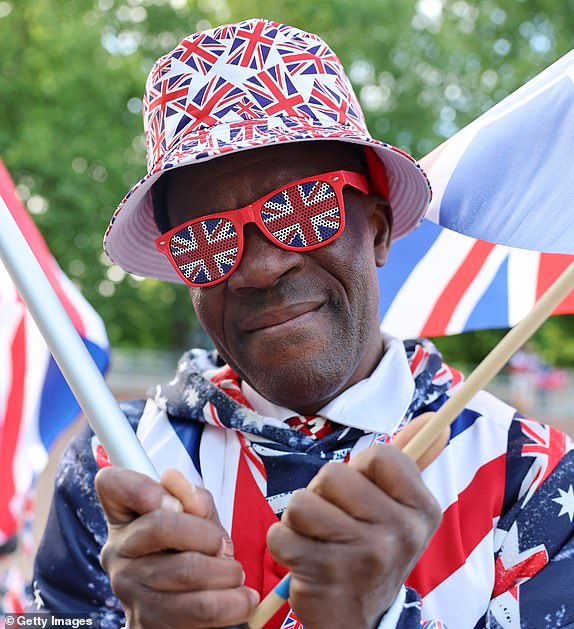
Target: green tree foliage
{"x":73,"y":73}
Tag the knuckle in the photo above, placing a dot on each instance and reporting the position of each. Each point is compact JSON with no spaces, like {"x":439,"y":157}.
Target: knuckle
{"x":369,"y":460}
{"x":430,"y":512}
{"x":372,"y":561}
{"x":235,"y":573}
{"x":414,"y":535}
{"x":435,"y":513}
{"x":205,"y":498}
{"x":332,"y":566}
{"x":298,"y":508}
{"x":372,"y":564}
{"x":330,"y":476}
{"x":163,"y":526}
{"x":275,"y":534}
{"x":298,"y":589}
{"x":280,"y":543}
{"x":186,"y":569}
{"x":122,"y":585}
{"x":107,"y":555}
{"x":206,"y":607}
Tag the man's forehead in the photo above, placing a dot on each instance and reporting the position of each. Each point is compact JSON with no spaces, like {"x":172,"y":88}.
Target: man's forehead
{"x":238,"y":179}
{"x":295,"y":158}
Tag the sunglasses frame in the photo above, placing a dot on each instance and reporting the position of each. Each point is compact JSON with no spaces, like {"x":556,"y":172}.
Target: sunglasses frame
{"x":251,"y":213}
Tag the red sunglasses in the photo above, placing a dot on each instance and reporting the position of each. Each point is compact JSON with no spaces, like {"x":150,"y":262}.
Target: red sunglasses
{"x":301,"y":216}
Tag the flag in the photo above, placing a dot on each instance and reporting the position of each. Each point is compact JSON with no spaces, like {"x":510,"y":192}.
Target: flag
{"x":438,"y":282}
{"x":36,"y":404}
{"x":506,"y":177}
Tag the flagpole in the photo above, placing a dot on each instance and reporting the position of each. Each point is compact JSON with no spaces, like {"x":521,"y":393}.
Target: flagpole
{"x":87,"y":383}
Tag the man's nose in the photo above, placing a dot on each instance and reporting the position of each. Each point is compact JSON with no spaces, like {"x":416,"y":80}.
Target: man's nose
{"x":263,"y":263}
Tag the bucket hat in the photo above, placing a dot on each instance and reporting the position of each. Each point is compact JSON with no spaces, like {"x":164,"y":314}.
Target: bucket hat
{"x":243,"y":86}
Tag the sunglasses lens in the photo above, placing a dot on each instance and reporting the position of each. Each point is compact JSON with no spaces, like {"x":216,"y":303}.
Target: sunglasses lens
{"x":304,"y":215}
{"x":205,"y":251}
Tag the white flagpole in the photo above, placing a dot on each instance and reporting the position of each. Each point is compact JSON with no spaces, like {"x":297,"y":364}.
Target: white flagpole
{"x":81,"y":373}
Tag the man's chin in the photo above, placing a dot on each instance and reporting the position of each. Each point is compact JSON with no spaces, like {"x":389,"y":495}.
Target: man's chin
{"x":286,"y":352}
{"x":303,"y":381}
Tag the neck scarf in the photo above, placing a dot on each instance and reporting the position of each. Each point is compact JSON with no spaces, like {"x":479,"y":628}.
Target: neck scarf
{"x":203,"y":393}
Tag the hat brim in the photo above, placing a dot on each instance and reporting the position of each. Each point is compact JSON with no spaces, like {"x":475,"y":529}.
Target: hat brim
{"x":129,"y":239}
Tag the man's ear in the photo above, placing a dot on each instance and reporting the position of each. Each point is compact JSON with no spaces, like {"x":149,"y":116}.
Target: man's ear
{"x":381,"y":219}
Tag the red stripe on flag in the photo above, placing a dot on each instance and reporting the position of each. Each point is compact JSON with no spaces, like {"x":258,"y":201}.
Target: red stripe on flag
{"x":550,"y":267}
{"x":417,"y":358}
{"x":445,"y":306}
{"x":464,"y":525}
{"x":37,"y":244}
{"x":251,"y":456}
{"x":252,"y":517}
{"x":10,"y":429}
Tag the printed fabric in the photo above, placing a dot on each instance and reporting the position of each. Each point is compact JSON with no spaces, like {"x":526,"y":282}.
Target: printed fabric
{"x":503,"y":555}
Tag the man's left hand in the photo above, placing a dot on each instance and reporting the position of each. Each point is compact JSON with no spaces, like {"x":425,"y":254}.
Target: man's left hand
{"x":352,"y":536}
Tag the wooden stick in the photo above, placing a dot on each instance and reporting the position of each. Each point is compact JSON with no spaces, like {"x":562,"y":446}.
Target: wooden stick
{"x":271,"y":604}
{"x":492,"y":364}
{"x":450,"y":410}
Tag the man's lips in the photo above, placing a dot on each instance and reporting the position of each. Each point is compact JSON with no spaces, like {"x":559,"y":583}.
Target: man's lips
{"x":280,"y":316}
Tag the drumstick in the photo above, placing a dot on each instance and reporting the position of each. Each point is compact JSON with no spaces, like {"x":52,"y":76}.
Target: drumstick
{"x":450,"y":410}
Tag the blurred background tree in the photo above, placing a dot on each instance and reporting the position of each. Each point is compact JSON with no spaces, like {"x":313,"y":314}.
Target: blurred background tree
{"x":73,"y":72}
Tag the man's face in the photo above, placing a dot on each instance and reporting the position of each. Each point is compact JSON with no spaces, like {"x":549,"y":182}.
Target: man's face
{"x":299,"y":327}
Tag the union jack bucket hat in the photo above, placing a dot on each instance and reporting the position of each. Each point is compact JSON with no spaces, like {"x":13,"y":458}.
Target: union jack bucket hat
{"x":243,"y":86}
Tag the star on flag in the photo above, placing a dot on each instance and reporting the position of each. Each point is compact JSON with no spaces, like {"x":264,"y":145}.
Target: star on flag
{"x":515,"y":565}
{"x":566,"y":502}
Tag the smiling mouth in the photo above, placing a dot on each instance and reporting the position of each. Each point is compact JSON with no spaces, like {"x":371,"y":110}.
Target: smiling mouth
{"x":282,"y":319}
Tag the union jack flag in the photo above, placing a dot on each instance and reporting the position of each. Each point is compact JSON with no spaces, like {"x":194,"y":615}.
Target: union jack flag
{"x":242,"y":131}
{"x":461,"y":284}
{"x":247,"y":109}
{"x":547,"y":446}
{"x":226,"y":31}
{"x":330,"y":102}
{"x":315,"y":206}
{"x":162,"y":94}
{"x":206,"y":250}
{"x":199,"y":53}
{"x":275,"y":92}
{"x":292,"y":622}
{"x":317,"y":59}
{"x":201,"y":109}
{"x":252,"y":44}
{"x":36,"y":405}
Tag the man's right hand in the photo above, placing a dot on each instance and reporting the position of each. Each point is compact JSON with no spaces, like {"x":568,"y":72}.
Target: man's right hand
{"x":198,"y":585}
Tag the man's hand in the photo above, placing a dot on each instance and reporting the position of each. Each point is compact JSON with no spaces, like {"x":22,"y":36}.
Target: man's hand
{"x":352,"y":537}
{"x":198,"y":585}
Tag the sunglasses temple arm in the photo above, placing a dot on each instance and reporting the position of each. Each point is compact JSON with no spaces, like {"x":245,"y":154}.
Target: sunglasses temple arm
{"x":83,"y":376}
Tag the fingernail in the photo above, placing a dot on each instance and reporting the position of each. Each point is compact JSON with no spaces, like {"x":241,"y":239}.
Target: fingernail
{"x":253,"y":595}
{"x":243,"y":577}
{"x":171,"y":503}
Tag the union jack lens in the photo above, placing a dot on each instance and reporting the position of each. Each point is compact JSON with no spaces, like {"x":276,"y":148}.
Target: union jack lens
{"x":300,"y":217}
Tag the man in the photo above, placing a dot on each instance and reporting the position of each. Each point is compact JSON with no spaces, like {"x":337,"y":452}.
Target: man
{"x":267,"y":196}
